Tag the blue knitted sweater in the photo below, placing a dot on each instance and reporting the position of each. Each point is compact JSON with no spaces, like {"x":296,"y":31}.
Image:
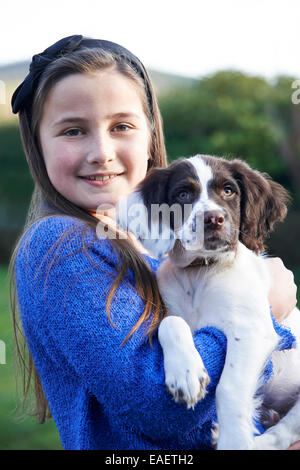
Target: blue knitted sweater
{"x":102,"y":395}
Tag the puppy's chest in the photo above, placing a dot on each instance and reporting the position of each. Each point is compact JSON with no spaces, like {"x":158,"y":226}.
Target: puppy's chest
{"x":206,"y":297}
{"x":213,"y":296}
{"x":201,"y":297}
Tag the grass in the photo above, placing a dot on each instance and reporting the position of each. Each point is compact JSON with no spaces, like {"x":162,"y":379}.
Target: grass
{"x":17,"y":432}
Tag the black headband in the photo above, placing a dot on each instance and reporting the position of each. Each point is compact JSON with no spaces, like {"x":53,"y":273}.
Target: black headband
{"x":23,"y":95}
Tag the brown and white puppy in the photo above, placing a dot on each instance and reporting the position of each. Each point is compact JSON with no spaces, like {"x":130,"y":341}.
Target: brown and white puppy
{"x":211,"y":216}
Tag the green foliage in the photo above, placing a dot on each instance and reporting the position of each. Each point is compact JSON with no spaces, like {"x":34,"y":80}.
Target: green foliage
{"x":15,"y":188}
{"x":234,"y":115}
{"x":15,"y":180}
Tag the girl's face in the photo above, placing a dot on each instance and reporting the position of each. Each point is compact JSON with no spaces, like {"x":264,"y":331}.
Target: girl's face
{"x":95,"y":138}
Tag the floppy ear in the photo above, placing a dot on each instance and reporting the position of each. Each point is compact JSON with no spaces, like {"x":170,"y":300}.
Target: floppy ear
{"x":263,"y":202}
{"x":136,"y":214}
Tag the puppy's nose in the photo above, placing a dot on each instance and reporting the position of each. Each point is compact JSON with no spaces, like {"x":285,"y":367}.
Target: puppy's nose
{"x":214,"y":219}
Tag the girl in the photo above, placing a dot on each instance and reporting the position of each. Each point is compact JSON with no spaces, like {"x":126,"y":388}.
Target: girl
{"x":91,"y":130}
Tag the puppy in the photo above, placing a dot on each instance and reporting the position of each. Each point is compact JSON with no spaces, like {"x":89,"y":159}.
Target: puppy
{"x":211,"y":216}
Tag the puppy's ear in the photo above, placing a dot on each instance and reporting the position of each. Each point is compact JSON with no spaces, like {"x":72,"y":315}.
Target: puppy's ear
{"x":139,"y":213}
{"x":263,"y":202}
{"x":154,"y":187}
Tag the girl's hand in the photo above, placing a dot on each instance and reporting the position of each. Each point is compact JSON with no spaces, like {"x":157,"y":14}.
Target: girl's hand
{"x":295,"y":446}
{"x":282,"y":295}
{"x":108,"y":222}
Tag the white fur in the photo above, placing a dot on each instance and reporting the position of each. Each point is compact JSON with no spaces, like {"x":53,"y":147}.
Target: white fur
{"x":205,"y":175}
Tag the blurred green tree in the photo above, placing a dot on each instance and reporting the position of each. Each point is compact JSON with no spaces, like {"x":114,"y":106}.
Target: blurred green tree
{"x":235,"y":115}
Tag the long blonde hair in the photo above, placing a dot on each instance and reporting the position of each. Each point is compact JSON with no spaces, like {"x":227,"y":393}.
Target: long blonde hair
{"x":47,"y":201}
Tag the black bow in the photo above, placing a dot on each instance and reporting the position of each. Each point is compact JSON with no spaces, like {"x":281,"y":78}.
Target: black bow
{"x":23,"y":95}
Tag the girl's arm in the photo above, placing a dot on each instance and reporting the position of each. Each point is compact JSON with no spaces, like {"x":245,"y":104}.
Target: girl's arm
{"x":64,"y":313}
{"x":282,"y":295}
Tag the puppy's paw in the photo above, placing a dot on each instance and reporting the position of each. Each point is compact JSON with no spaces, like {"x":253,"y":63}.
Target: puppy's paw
{"x":268,"y":417}
{"x":186,"y":377}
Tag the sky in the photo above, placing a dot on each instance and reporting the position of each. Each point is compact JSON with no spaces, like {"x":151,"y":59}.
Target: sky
{"x":187,"y":37}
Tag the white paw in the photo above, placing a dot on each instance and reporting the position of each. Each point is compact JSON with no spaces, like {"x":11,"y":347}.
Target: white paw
{"x":186,"y":377}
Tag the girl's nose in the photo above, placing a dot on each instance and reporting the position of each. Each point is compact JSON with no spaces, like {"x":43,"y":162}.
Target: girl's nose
{"x":101,"y":150}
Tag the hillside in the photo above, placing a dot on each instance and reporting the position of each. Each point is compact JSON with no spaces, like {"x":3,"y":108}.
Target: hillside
{"x":13,"y":74}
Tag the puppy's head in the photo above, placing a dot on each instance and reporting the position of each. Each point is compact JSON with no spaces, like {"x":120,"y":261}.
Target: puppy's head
{"x":200,"y":207}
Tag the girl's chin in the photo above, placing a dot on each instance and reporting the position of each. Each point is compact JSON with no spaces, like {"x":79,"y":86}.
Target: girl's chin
{"x":103,"y":205}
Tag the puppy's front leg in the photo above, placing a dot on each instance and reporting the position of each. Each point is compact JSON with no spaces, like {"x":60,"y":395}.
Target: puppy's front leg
{"x":247,"y":351}
{"x":185,"y":375}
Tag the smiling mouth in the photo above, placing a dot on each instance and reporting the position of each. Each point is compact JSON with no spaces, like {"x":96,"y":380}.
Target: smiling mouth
{"x":100,"y":178}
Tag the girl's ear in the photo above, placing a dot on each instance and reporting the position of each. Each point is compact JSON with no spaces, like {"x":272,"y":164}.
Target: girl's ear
{"x":144,"y":214}
{"x":263,"y":202}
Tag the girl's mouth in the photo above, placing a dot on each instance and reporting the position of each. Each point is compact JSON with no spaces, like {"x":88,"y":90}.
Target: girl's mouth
{"x":100,"y":180}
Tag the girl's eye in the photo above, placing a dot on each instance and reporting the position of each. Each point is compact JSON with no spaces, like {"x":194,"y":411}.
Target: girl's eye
{"x":73,"y":132}
{"x":121,"y":128}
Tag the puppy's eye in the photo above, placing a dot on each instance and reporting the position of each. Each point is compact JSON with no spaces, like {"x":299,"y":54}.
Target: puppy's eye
{"x":184,"y":195}
{"x":228,"y":191}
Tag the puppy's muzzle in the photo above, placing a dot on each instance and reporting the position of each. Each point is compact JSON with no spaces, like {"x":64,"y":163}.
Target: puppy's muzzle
{"x":213,"y":220}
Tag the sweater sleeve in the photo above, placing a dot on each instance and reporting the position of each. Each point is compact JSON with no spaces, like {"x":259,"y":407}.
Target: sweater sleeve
{"x":62,"y":292}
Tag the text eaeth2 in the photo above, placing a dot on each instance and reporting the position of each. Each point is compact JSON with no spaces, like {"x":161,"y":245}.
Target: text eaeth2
{"x":152,"y":459}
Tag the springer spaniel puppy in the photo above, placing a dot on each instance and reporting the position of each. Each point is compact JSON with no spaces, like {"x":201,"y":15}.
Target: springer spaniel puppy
{"x":211,"y":216}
